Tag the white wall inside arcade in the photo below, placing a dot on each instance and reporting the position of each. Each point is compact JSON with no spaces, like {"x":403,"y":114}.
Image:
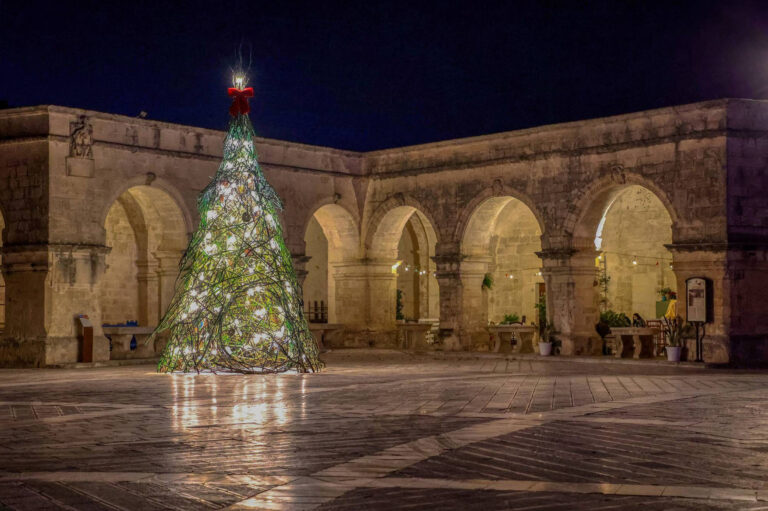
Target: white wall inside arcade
{"x":316,"y":283}
{"x":635,"y":229}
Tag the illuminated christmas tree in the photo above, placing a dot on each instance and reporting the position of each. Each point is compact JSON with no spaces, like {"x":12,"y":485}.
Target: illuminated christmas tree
{"x":237,"y":305}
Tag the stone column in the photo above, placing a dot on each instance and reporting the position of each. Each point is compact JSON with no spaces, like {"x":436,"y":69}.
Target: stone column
{"x":474,"y":309}
{"x":448,"y":275}
{"x":300,"y":267}
{"x":147,"y":275}
{"x":572,"y":299}
{"x":25,"y":270}
{"x":167,"y":272}
{"x":365,"y":301}
{"x":463,"y":302}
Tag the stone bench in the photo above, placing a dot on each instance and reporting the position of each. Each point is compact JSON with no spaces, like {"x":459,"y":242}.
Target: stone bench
{"x":320,"y":329}
{"x":634,"y":342}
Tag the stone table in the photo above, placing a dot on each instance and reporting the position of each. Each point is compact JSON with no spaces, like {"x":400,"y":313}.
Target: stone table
{"x":512,"y":338}
{"x":635,"y":342}
{"x":121,"y":341}
{"x":413,"y":335}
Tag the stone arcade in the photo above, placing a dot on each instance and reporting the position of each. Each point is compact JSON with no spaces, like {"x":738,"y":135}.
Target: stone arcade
{"x":96,"y":209}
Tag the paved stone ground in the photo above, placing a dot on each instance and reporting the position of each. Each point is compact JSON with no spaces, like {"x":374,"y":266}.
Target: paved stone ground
{"x":386,"y":430}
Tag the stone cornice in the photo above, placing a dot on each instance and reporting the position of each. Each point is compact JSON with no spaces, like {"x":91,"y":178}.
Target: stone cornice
{"x":718,"y":247}
{"x":671,"y":125}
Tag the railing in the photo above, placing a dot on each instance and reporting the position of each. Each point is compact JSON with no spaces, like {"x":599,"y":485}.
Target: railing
{"x":317,"y":312}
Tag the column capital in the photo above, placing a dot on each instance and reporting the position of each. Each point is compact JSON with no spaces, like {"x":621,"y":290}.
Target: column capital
{"x":167,"y":262}
{"x":447,"y":264}
{"x":147,"y":270}
{"x":557,"y":253}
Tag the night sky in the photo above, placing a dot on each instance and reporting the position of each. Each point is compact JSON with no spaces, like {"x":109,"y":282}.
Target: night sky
{"x":370,"y":75}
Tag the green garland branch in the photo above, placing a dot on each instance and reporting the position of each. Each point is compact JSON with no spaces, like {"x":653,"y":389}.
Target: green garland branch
{"x":238,"y":305}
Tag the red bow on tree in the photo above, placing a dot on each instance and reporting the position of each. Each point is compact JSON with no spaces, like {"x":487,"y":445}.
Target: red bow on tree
{"x":240,"y":101}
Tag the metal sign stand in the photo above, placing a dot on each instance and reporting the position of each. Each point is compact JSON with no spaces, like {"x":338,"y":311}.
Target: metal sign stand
{"x":699,"y":340}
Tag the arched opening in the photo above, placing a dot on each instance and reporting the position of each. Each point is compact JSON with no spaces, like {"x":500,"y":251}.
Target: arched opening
{"x":147,"y":235}
{"x":405,"y":241}
{"x":331,"y":239}
{"x":635,"y":271}
{"x":416,"y":282}
{"x":501,"y":273}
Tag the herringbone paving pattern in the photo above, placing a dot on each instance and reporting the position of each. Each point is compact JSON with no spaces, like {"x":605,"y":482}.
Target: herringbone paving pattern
{"x":383,"y":430}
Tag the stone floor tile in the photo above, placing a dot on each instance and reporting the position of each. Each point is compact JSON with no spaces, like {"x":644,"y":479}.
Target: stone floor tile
{"x":384,"y":430}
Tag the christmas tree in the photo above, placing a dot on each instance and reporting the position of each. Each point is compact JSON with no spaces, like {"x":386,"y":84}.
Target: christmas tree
{"x":238,"y":305}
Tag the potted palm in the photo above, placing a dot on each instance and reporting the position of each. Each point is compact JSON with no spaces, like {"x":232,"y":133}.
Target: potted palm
{"x":675,"y":330}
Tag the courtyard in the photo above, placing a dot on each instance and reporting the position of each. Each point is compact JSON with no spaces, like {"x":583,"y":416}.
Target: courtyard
{"x":382,"y":429}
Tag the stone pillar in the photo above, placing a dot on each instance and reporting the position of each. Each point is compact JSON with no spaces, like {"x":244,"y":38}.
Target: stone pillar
{"x":742,"y":308}
{"x":147,"y":275}
{"x":25,"y":270}
{"x":711,"y":261}
{"x":300,"y":267}
{"x":48,"y":286}
{"x":167,"y":271}
{"x":365,"y":302}
{"x":474,"y":308}
{"x":448,"y":275}
{"x":463,"y":301}
{"x":572,"y":299}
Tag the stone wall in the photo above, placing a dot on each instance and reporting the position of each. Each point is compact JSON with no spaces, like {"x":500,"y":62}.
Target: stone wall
{"x":63,"y":169}
{"x":118,"y":289}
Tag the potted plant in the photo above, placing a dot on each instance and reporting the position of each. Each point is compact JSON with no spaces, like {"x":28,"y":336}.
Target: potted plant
{"x":675,"y":330}
{"x":667,"y":294}
{"x":510,"y":319}
{"x":546,"y":338}
{"x":399,"y":316}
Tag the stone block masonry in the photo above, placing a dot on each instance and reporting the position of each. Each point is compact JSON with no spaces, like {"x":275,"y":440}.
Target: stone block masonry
{"x":686,"y":182}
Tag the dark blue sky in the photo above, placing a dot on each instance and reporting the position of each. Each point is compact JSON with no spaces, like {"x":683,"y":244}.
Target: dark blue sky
{"x":369,"y":75}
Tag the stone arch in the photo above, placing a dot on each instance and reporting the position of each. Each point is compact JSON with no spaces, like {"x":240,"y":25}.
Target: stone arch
{"x":499,"y":192}
{"x":387,"y":223}
{"x":331,"y":238}
{"x":627,"y":226}
{"x":401,"y":244}
{"x":593,"y":201}
{"x":500,"y":238}
{"x":147,"y":233}
{"x":148,"y":181}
